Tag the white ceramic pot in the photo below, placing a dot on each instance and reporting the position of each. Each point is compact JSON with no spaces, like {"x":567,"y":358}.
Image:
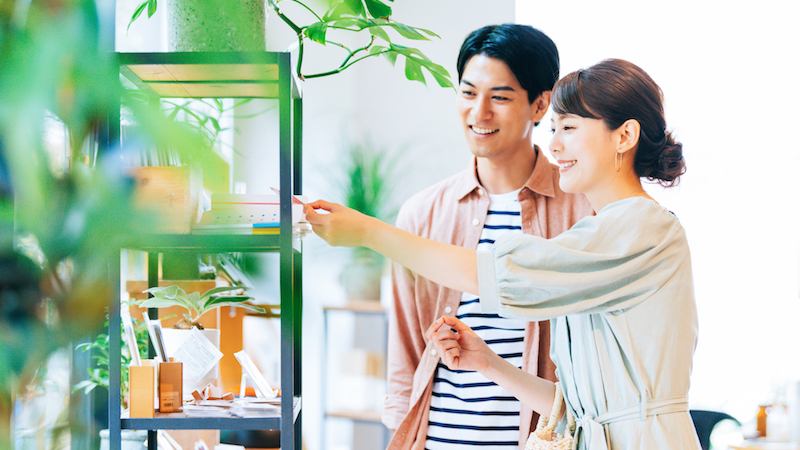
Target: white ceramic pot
{"x":173,"y":339}
{"x":131,"y":439}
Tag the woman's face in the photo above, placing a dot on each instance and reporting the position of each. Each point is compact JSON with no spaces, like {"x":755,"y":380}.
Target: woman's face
{"x":584,"y":149}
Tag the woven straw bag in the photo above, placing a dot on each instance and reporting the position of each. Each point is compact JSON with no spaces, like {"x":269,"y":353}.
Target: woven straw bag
{"x":544,"y":437}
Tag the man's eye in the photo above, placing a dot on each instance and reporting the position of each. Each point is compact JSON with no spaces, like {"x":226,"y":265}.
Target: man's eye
{"x":467,"y":93}
{"x":497,"y":97}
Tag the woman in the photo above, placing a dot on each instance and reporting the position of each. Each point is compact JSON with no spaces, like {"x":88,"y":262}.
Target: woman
{"x":617,"y":286}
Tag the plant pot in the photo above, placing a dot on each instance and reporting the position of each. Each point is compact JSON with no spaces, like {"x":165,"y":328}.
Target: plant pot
{"x":219,"y":26}
{"x":173,"y":338}
{"x":362,"y":279}
{"x":131,"y":439}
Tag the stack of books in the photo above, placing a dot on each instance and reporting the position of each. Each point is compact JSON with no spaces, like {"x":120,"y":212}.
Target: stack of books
{"x":245,"y":214}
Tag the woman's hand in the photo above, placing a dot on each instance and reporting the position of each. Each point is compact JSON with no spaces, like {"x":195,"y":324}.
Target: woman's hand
{"x":343,"y":227}
{"x":458,"y":346}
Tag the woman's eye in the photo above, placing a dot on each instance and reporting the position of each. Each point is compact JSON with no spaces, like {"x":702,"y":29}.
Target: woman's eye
{"x":553,"y":130}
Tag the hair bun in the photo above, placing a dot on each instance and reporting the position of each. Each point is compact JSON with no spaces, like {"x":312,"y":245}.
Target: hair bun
{"x":671,"y":164}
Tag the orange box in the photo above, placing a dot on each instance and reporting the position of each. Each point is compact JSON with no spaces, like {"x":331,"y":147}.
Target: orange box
{"x":142,"y":391}
{"x":170,"y":386}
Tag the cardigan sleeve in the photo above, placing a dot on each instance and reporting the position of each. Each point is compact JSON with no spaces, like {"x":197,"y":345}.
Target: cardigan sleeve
{"x":605,"y":263}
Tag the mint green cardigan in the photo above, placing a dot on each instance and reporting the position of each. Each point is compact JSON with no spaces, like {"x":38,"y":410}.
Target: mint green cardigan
{"x":618,"y":290}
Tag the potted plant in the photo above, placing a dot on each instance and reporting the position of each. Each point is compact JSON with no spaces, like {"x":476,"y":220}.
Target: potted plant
{"x":368,"y":177}
{"x":369,"y":19}
{"x":195,"y":305}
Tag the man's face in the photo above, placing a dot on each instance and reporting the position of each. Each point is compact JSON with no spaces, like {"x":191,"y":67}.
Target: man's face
{"x":494,"y":109}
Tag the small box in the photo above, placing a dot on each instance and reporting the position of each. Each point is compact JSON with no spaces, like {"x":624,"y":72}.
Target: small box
{"x":170,"y":386}
{"x":142,"y":391}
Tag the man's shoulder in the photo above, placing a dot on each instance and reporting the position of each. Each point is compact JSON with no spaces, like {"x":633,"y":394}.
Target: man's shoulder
{"x":446,"y":189}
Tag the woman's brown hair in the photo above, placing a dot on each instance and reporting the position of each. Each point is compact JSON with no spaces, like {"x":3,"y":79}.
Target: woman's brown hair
{"x":615,"y":90}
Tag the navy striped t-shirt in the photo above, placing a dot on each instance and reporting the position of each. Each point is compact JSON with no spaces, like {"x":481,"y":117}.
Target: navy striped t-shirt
{"x":467,"y":409}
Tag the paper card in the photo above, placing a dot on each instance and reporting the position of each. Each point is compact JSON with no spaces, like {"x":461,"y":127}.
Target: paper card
{"x":262,"y":388}
{"x":198,"y":355}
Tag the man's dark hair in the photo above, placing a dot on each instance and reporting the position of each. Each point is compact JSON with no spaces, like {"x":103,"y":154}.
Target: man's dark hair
{"x":529,"y":53}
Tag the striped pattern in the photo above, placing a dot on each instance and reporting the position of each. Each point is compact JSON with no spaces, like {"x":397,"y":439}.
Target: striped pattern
{"x":468,"y":410}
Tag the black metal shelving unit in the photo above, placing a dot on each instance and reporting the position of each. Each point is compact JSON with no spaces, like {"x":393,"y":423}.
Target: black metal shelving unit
{"x":225,"y":75}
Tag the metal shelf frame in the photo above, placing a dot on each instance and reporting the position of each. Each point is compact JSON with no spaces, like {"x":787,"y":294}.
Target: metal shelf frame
{"x":223,"y":75}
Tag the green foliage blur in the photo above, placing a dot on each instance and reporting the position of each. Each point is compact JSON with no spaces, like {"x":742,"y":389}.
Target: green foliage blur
{"x":61,"y":225}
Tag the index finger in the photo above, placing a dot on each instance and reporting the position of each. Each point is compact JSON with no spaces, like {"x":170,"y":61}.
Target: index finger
{"x":456,"y":324}
{"x":435,"y":326}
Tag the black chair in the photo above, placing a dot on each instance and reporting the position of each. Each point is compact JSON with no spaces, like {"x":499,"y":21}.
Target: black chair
{"x":704,"y":423}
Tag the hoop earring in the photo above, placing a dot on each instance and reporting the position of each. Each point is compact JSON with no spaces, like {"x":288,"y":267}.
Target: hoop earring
{"x":618,"y":160}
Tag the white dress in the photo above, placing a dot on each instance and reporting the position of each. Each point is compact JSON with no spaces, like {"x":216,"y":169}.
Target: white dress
{"x":618,"y":288}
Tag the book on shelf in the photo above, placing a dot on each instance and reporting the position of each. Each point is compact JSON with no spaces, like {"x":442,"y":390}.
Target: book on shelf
{"x":240,"y":228}
{"x":244,"y":214}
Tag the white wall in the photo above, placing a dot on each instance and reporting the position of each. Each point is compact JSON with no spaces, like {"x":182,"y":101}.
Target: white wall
{"x":372,"y":100}
{"x":729,"y":75}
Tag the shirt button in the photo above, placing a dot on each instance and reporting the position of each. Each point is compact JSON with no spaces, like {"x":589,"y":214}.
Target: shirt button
{"x":475,"y":222}
{"x":480,"y":191}
{"x":433,"y":352}
{"x":447,"y":309}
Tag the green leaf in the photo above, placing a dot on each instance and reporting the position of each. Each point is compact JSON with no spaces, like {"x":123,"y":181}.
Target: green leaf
{"x":442,"y":78}
{"x":375,"y":49}
{"x":356,"y":6}
{"x":414,"y":70}
{"x":378,"y":9}
{"x":194,"y":300}
{"x":428,"y":32}
{"x":408,"y":32}
{"x":137,"y":13}
{"x":380,"y":33}
{"x":157,"y":302}
{"x":151,"y":8}
{"x":220,"y":289}
{"x":390,"y":56}
{"x":316,"y":32}
{"x":166,"y":292}
{"x":337,"y":11}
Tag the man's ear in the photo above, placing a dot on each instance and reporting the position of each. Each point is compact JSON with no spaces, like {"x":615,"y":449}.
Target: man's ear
{"x":628,"y":135}
{"x":540,"y":105}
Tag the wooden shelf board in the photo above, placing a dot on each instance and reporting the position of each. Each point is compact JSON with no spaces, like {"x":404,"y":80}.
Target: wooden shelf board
{"x":206,"y":75}
{"x":361,"y":306}
{"x":361,"y":415}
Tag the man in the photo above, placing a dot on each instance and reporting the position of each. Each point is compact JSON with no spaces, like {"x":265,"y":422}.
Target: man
{"x":506,"y":75}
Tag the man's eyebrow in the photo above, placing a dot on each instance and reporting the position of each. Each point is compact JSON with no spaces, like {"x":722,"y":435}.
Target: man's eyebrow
{"x":496,"y":88}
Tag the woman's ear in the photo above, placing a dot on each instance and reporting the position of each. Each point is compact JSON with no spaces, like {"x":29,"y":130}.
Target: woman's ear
{"x":628,"y":135}
{"x":540,"y":105}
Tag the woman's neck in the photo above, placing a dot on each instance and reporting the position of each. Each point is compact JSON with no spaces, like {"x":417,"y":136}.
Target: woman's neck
{"x":616,"y":191}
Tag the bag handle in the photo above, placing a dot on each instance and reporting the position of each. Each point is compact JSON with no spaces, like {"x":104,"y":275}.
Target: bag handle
{"x":558,"y":401}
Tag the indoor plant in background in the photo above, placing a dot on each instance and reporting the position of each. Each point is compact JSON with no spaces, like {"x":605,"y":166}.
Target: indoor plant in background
{"x":366,"y":184}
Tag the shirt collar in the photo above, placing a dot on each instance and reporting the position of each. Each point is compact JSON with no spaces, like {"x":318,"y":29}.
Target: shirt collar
{"x":542,"y":180}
